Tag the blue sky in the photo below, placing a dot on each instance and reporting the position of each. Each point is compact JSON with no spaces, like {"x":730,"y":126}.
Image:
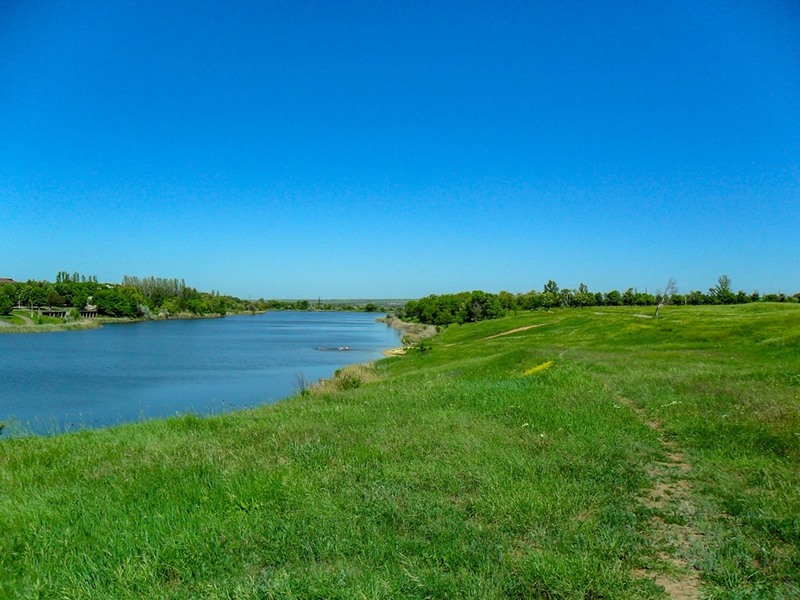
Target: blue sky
{"x":396,"y":149}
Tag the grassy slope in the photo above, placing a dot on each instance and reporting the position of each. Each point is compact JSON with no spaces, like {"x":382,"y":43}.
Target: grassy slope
{"x":453,"y":475}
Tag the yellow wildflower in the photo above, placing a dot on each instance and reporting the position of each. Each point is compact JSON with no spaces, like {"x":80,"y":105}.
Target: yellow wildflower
{"x":537,"y":368}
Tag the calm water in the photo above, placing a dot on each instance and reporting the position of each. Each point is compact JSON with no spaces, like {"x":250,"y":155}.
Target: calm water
{"x":69,"y":380}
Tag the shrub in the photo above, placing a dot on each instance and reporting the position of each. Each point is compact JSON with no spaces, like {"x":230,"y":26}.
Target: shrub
{"x":347,"y":380}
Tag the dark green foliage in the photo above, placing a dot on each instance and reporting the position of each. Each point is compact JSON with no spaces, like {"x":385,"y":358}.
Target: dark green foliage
{"x":143,"y":297}
{"x":466,"y":307}
{"x":6,"y":302}
{"x":117,"y":301}
{"x":471,"y":307}
{"x":722,"y":292}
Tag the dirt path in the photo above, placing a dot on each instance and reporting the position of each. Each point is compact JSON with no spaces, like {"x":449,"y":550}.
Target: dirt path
{"x":517,"y":330}
{"x":671,"y":503}
{"x":25,"y":320}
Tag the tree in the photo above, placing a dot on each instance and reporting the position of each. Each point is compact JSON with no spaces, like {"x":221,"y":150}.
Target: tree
{"x":696,"y":297}
{"x":551,"y":287}
{"x":54,"y":298}
{"x":629,"y":297}
{"x":6,"y":304}
{"x":38,"y":296}
{"x":478,"y":306}
{"x":669,"y":290}
{"x":507,"y":300}
{"x":583,"y":297}
{"x":722,"y":292}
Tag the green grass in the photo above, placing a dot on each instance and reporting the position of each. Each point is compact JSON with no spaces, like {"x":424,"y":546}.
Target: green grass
{"x":12,"y":319}
{"x":18,"y":324}
{"x":447,"y":474}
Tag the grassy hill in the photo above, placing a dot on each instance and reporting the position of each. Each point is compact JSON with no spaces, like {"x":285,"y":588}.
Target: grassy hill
{"x":566,"y":454}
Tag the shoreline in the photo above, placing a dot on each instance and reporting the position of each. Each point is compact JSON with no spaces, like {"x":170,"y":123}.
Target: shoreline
{"x":98,"y":322}
{"x":412,"y":333}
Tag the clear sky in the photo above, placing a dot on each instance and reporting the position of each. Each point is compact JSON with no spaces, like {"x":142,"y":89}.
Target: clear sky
{"x":396,"y":149}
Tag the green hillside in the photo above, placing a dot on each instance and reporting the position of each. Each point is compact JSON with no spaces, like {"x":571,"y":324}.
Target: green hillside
{"x":578,"y":453}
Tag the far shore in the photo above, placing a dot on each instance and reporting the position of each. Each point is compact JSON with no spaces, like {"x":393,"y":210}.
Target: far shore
{"x":94,"y":323}
{"x":412,"y":332}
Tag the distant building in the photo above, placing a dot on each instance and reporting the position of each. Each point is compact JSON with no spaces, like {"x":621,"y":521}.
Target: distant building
{"x":6,"y":280}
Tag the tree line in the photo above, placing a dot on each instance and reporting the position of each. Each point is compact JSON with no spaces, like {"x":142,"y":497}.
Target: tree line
{"x":142,"y":297}
{"x":135,"y":297}
{"x":467,"y":307}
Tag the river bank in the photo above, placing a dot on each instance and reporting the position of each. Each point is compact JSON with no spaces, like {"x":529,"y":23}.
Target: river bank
{"x":83,"y":324}
{"x":51,"y":325}
{"x":413,"y":333}
{"x":566,"y":455}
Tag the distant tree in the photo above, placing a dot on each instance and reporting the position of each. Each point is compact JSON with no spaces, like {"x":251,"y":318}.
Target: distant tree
{"x":644,"y":299}
{"x":669,"y":290}
{"x":119,"y":301}
{"x":80,"y":298}
{"x":583,"y":297}
{"x":549,"y":300}
{"x":567,"y":296}
{"x":613,"y":298}
{"x":551,"y":287}
{"x":508,"y":301}
{"x":772,"y":297}
{"x":479,"y":306}
{"x":38,"y":296}
{"x":722,"y":292}
{"x":696,"y":297}
{"x":529,"y":301}
{"x":6,"y":304}
{"x":54,"y":298}
{"x":629,"y":297}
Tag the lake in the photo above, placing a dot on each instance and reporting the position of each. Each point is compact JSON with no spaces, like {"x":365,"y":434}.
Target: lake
{"x":55,"y":382}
